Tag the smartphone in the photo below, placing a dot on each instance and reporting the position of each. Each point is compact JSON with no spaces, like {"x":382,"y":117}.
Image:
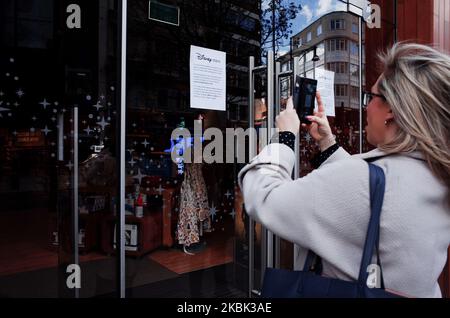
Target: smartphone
{"x":304,"y":97}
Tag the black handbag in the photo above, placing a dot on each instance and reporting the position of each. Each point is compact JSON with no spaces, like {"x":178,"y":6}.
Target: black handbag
{"x":281,"y":283}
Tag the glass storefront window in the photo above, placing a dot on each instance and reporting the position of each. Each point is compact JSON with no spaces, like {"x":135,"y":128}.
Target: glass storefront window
{"x":60,"y":124}
{"x":186,"y":230}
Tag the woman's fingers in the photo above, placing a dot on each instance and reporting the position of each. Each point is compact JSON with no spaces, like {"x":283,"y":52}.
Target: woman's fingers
{"x":320,"y":103}
{"x":316,"y":119}
{"x":290,"y":104}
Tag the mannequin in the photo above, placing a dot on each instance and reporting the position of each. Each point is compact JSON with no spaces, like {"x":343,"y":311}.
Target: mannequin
{"x":194,"y":208}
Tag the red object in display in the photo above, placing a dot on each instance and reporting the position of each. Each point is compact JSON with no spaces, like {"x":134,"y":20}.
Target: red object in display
{"x":140,"y":201}
{"x":155,"y":229}
{"x":149,"y":234}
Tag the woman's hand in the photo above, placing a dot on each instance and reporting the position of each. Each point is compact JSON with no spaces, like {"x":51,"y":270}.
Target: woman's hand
{"x":320,"y":128}
{"x":288,"y":119}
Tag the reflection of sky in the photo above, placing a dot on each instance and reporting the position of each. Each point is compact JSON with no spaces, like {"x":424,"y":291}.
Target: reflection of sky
{"x":312,"y":10}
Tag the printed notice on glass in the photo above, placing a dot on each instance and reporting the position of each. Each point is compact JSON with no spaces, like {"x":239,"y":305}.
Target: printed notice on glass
{"x":325,"y":85}
{"x":208,"y":78}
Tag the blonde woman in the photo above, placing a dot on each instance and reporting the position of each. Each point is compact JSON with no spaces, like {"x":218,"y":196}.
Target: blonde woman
{"x":327,"y":211}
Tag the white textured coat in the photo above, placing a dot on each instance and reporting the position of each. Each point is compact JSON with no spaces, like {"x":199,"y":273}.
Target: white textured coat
{"x":328,"y":211}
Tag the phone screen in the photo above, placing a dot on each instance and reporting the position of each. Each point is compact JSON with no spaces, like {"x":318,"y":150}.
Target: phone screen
{"x":304,"y":97}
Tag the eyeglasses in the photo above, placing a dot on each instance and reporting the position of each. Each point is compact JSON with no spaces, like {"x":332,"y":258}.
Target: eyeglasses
{"x":368,"y":96}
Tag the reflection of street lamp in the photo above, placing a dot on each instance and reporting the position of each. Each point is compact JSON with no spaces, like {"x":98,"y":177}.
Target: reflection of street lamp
{"x":303,"y":52}
{"x":315,"y":58}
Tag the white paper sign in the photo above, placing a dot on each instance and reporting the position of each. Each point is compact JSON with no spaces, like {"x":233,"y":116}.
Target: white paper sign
{"x":325,"y":85}
{"x":208,"y":78}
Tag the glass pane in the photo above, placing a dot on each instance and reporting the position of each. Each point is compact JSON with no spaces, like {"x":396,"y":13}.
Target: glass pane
{"x":49,"y":68}
{"x":342,"y":62}
{"x":185,"y":222}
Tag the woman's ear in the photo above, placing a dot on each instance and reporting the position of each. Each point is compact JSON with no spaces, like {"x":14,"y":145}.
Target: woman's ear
{"x":389,"y":115}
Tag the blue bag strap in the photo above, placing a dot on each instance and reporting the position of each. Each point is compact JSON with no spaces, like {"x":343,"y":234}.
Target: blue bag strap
{"x":309,"y":260}
{"x":377,"y":185}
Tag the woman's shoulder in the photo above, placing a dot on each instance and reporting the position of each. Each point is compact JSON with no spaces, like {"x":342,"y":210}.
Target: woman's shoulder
{"x":345,"y":170}
{"x":377,"y":153}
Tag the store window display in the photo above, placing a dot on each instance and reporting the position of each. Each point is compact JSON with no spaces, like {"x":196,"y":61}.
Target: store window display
{"x":194,"y":217}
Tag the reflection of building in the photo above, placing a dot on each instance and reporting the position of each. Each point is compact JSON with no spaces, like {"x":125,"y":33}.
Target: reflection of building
{"x":159,"y":53}
{"x":336,"y":38}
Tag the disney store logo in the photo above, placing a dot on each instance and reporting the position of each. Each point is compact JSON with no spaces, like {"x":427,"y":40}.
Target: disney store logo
{"x":203,"y":57}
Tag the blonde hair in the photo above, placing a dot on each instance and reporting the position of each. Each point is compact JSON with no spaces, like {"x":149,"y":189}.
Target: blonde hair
{"x":416,"y":84}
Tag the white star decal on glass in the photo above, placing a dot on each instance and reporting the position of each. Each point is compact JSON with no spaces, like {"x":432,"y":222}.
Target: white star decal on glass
{"x":44,"y":103}
{"x":308,"y":137}
{"x":88,"y":130}
{"x":46,"y":130}
{"x":213,"y":211}
{"x":139,"y":176}
{"x":145,"y":143}
{"x":20,"y":93}
{"x":103,"y":123}
{"x":132,"y":162}
{"x":69,"y":165}
{"x":160,"y":190}
{"x":228,"y":194}
{"x":97,"y":106}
